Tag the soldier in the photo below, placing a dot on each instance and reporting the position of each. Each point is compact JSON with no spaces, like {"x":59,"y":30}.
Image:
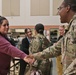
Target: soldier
{"x":67,"y":12}
{"x":58,"y":59}
{"x":37,"y":44}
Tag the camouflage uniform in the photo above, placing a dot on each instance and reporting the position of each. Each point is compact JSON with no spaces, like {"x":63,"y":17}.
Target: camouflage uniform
{"x":37,"y":44}
{"x":68,"y":49}
{"x":72,"y":68}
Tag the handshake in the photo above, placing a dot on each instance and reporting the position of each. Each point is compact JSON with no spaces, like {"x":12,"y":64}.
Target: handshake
{"x":29,"y":59}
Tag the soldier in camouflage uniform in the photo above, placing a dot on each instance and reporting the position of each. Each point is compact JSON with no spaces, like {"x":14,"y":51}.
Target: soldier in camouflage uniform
{"x":38,"y":44}
{"x":67,"y":44}
{"x":58,"y":58}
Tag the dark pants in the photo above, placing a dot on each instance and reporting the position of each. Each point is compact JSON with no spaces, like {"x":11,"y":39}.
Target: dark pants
{"x":23,"y":65}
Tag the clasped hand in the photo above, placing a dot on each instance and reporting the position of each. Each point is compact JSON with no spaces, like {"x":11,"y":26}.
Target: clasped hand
{"x":29,"y":59}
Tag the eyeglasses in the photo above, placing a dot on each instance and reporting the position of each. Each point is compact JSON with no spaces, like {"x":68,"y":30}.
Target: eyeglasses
{"x":60,"y":8}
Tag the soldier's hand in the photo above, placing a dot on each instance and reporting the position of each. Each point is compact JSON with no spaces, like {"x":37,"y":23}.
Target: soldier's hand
{"x":29,"y":59}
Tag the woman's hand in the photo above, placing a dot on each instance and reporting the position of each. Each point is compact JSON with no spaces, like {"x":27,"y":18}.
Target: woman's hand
{"x":29,"y":59}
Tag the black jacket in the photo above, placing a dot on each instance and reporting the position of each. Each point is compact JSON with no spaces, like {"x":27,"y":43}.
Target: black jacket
{"x":25,"y":45}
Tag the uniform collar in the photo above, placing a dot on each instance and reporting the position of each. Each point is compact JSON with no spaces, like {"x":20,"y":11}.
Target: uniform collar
{"x":70,"y":23}
{"x":74,"y":17}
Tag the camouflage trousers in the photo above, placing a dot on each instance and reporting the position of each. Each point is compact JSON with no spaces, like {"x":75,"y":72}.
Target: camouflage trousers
{"x":44,"y":67}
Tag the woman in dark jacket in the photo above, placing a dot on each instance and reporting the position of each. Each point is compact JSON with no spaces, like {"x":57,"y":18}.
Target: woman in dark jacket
{"x":25,"y":49}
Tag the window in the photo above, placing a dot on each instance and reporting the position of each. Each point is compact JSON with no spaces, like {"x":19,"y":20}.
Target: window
{"x":56,"y":4}
{"x":11,"y":7}
{"x":40,"y":7}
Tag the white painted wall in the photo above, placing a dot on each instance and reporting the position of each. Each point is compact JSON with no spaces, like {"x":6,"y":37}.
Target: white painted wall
{"x":26,"y":19}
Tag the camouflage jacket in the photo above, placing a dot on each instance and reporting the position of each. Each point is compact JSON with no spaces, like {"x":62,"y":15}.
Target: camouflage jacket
{"x":68,"y":48}
{"x":71,"y":69}
{"x":38,"y":44}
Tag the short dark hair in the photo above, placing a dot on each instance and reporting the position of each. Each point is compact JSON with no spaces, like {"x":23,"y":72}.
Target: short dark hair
{"x":72,"y":4}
